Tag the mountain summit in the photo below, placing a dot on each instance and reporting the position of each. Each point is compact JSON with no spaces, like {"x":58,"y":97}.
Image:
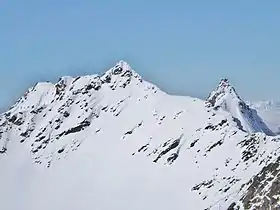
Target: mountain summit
{"x":226,"y":98}
{"x":115,"y":141}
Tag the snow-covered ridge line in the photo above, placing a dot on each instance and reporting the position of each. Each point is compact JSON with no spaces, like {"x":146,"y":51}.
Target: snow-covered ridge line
{"x":225,"y":97}
{"x":120,"y":74}
{"x":121,"y":143}
{"x":119,"y":67}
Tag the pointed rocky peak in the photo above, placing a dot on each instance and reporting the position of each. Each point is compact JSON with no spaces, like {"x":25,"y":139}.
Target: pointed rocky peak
{"x":122,"y":66}
{"x":224,"y":82}
{"x":123,"y":69}
{"x":224,"y":97}
{"x":65,"y":80}
{"x":224,"y":89}
{"x":122,"y":74}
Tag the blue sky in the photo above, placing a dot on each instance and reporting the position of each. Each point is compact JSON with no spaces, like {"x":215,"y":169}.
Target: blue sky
{"x":184,"y":47}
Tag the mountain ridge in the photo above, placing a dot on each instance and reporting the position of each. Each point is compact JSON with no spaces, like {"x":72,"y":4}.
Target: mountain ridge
{"x":122,"y":143}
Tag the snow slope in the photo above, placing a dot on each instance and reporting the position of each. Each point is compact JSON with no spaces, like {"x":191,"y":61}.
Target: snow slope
{"x":269,"y":112}
{"x":116,"y":141}
{"x":226,"y":97}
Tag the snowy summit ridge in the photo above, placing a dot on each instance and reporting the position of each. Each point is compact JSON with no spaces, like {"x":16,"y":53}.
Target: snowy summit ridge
{"x":226,"y":98}
{"x":119,"y":142}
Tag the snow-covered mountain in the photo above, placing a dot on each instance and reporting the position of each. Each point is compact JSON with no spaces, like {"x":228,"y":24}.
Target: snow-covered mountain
{"x":116,"y":141}
{"x":226,"y":97}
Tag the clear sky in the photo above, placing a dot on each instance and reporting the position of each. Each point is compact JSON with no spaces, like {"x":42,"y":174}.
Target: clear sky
{"x":184,"y":47}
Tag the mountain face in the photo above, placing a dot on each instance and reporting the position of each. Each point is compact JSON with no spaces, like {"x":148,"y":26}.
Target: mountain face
{"x":225,"y":97}
{"x":269,"y":112}
{"x":116,"y":141}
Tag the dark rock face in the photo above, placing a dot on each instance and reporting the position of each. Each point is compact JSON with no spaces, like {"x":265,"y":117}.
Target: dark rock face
{"x":66,"y":114}
{"x":207,"y":184}
{"x":231,"y":207}
{"x":167,"y":147}
{"x":239,"y":124}
{"x":78,"y":128}
{"x":173,"y":145}
{"x":37,"y":111}
{"x":218,"y":126}
{"x":107,"y":79}
{"x":264,"y":189}
{"x":250,"y":147}
{"x":218,"y":143}
{"x":17,"y":120}
{"x":117,"y":70}
{"x":3,"y":150}
{"x":27,"y":133}
{"x":94,"y":85}
{"x":61,"y":85}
